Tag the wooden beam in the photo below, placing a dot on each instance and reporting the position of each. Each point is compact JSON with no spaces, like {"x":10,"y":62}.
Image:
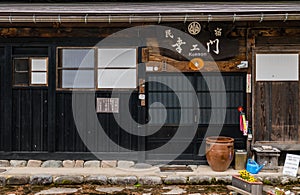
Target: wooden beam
{"x":281,"y":145}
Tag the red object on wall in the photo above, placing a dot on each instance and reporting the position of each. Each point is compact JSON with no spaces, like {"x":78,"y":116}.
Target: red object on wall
{"x":240,"y":109}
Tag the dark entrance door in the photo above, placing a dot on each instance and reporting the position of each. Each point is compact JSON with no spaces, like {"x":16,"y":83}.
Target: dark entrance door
{"x":29,"y":67}
{"x":172,"y":104}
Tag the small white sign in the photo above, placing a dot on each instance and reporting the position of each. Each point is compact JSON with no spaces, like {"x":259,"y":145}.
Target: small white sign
{"x":291,"y":165}
{"x":142,"y":96}
{"x":149,"y":68}
{"x":248,"y":84}
{"x":107,"y":105}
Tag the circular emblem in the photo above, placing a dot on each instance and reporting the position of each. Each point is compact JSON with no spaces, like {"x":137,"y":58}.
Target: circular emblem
{"x":194,"y":28}
{"x":196,"y":64}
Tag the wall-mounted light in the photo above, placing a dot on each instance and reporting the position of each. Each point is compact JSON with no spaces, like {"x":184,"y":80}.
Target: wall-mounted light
{"x":243,"y":64}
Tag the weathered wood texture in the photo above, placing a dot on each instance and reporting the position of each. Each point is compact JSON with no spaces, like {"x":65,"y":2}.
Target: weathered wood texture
{"x":275,"y":109}
{"x":2,"y":62}
{"x":276,"y":105}
{"x":229,"y":65}
{"x":29,"y":118}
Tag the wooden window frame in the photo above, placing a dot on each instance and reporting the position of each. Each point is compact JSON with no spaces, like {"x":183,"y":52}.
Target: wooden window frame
{"x":118,"y":68}
{"x":59,"y":69}
{"x":30,"y":71}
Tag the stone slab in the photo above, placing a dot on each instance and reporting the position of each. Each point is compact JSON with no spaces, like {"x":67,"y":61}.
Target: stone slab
{"x":125,"y":164}
{"x":68,"y":163}
{"x":79,"y":163}
{"x":96,"y":179}
{"x":150,"y":180}
{"x":18,"y":163}
{"x":52,"y":164}
{"x":41,"y":180}
{"x":108,"y":163}
{"x":122,"y":180}
{"x":34,"y":163}
{"x":68,"y":179}
{"x":92,"y":164}
{"x":175,"y":180}
{"x":4,"y":163}
{"x":17,"y":180}
{"x":58,"y":191}
{"x":109,"y":190}
{"x":198,"y":179}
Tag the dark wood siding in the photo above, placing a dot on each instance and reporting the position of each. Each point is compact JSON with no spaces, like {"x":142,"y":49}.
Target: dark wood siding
{"x":67,"y":137}
{"x":2,"y":81}
{"x":276,"y":106}
{"x":29,"y":127}
{"x":235,"y":94}
{"x":276,"y":103}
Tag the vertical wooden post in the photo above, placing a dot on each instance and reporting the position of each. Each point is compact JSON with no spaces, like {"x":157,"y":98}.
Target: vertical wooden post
{"x":249,"y":55}
{"x":51,"y":98}
{"x":141,"y":109}
{"x":6,"y":76}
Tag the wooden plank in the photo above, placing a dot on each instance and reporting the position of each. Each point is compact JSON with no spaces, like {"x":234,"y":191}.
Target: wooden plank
{"x":44,"y":135}
{"x":26,"y":119}
{"x":60,"y":124}
{"x":83,"y":108}
{"x":16,"y":126}
{"x":68,"y":130}
{"x":280,"y":40}
{"x":284,"y":111}
{"x":261,"y":117}
{"x":145,"y":55}
{"x":37,"y":122}
{"x":7,"y":98}
{"x":51,"y":99}
{"x":2,"y":82}
{"x":281,"y":145}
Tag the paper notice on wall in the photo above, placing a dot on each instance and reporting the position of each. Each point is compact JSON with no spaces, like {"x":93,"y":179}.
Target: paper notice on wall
{"x":291,"y":165}
{"x":248,"y":83}
{"x":107,"y":105}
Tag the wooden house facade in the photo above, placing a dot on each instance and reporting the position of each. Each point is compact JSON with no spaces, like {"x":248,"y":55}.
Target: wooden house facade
{"x":252,"y":47}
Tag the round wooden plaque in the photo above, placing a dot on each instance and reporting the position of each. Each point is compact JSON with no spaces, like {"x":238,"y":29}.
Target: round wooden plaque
{"x":196,"y":64}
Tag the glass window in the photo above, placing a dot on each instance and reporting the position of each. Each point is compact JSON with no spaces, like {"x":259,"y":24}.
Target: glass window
{"x":77,"y":78}
{"x":117,"y":57}
{"x":78,"y":58}
{"x":76,"y":68}
{"x":117,"y":78}
{"x":91,"y":68}
{"x":117,"y":68}
{"x":31,"y":71}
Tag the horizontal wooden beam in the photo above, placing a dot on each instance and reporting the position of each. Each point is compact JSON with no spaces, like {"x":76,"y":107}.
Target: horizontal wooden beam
{"x":281,"y":145}
{"x":68,"y":155}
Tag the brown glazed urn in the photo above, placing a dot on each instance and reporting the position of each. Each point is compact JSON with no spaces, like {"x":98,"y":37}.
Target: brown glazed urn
{"x":219,"y":152}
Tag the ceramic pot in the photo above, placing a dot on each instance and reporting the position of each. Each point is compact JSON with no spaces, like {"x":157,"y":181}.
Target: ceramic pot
{"x":219,"y":152}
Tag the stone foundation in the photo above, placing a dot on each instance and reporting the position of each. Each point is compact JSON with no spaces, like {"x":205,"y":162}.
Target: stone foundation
{"x":131,"y":180}
{"x":68,"y":163}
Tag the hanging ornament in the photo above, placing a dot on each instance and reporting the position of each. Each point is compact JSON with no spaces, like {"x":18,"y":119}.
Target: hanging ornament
{"x":243,"y":121}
